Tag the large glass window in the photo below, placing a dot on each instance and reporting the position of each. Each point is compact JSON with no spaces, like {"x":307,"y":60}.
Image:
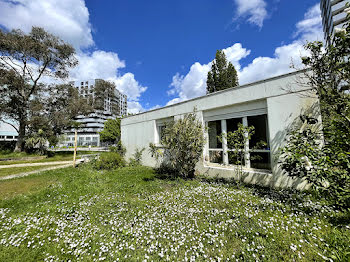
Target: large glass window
{"x":214,"y":129}
{"x":215,"y":146}
{"x":253,"y":154}
{"x":259,"y":144}
{"x":161,"y":124}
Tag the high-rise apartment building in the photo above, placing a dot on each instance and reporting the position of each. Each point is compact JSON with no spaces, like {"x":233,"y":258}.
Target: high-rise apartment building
{"x":333,"y":16}
{"x":91,"y":125}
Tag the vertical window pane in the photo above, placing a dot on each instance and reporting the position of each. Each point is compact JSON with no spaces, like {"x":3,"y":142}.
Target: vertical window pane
{"x":161,"y":132}
{"x":260,"y":160}
{"x":215,"y":157}
{"x":260,"y":138}
{"x":214,"y":130}
{"x":232,"y":124}
{"x":236,"y":158}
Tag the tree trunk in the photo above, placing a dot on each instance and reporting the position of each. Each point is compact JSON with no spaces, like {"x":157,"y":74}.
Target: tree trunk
{"x":21,"y":136}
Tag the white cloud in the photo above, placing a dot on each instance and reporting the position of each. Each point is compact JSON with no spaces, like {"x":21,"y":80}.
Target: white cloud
{"x":311,"y":26}
{"x":135,"y":107}
{"x":105,"y":65}
{"x":280,"y":63}
{"x":68,"y":19}
{"x":254,"y":10}
{"x":99,"y":64}
{"x":193,"y":84}
{"x":129,"y":86}
{"x":308,"y":29}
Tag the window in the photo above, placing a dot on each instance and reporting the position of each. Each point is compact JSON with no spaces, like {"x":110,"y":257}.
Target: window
{"x":161,"y":124}
{"x":215,"y":146}
{"x":161,"y":129}
{"x":256,"y":153}
{"x":88,"y":138}
{"x":95,"y":139}
{"x":259,"y":143}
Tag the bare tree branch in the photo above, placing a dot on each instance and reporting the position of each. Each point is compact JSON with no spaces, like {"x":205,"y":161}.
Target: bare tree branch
{"x":2,"y":120}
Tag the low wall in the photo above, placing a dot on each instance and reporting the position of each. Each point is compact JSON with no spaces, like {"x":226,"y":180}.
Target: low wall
{"x":253,"y":177}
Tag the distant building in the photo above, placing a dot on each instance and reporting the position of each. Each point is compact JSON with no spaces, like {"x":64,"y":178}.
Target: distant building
{"x":7,"y":132}
{"x":333,"y":16}
{"x":88,"y":133}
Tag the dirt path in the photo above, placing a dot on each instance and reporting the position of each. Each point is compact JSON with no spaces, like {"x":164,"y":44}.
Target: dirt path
{"x":38,"y":164}
{"x":64,"y":164}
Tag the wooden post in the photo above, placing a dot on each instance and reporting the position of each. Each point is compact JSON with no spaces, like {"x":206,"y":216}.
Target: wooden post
{"x":75,"y":146}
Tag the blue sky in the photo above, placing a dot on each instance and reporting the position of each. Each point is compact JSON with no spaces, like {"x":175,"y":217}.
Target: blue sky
{"x":159,"y":52}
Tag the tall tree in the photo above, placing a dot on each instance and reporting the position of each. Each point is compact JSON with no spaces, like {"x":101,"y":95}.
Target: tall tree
{"x":24,"y":60}
{"x":111,"y":131}
{"x":222,"y":75}
{"x":105,"y":93}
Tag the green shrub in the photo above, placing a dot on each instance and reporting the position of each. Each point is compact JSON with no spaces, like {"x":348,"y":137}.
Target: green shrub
{"x":119,"y":148}
{"x":183,"y":143}
{"x":305,"y":156}
{"x":136,"y":160}
{"x":109,"y":160}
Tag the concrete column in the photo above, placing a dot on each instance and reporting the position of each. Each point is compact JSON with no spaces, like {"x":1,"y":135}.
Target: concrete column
{"x":224,"y":141}
{"x":246,"y":146}
{"x":206,"y":147}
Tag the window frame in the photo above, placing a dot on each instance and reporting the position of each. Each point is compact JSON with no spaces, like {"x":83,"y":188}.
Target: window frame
{"x":248,"y":151}
{"x":159,"y":124}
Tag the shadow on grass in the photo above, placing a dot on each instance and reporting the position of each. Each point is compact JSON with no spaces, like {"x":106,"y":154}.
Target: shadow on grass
{"x":341,"y":219}
{"x":165,"y":173}
{"x":308,"y":202}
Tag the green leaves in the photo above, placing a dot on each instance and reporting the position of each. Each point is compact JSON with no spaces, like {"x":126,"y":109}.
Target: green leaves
{"x":223,"y":75}
{"x":111,"y":131}
{"x":24,"y":60}
{"x":183,"y":143}
{"x":326,"y":165}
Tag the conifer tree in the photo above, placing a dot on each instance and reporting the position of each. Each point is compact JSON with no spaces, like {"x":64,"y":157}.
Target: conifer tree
{"x":222,"y":75}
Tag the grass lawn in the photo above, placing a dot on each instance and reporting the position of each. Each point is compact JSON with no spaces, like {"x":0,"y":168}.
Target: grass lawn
{"x":18,"y":170}
{"x":58,"y":156}
{"x":11,"y":154}
{"x":131,"y":215}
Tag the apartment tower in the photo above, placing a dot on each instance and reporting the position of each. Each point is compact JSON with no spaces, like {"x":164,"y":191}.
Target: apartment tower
{"x":333,"y":16}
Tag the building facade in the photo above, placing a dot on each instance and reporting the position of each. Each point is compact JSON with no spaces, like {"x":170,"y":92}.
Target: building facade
{"x":91,"y":125}
{"x":7,"y":132}
{"x":333,"y":16}
{"x":272,"y":106}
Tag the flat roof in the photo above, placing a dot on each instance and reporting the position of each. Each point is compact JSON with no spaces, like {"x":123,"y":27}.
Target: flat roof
{"x":222,"y":91}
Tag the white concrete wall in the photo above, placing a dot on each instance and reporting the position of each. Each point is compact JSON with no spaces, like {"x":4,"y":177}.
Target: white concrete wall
{"x":284,"y":97}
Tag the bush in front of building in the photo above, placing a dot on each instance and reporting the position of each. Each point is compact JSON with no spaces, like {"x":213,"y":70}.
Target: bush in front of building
{"x":182,"y":146}
{"x":306,"y":156}
{"x":118,"y":148}
{"x":7,"y":145}
{"x":136,"y":159}
{"x":109,"y":160}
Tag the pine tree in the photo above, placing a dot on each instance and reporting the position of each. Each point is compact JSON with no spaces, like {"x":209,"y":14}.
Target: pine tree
{"x":223,"y":74}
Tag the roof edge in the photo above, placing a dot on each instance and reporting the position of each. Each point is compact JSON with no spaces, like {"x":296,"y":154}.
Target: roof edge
{"x":223,"y":91}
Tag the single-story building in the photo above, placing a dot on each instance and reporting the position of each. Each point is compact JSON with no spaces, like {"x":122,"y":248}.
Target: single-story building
{"x":273,"y":106}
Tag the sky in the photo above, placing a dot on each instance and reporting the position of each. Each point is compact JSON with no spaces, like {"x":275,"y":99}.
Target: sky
{"x":159,"y":52}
